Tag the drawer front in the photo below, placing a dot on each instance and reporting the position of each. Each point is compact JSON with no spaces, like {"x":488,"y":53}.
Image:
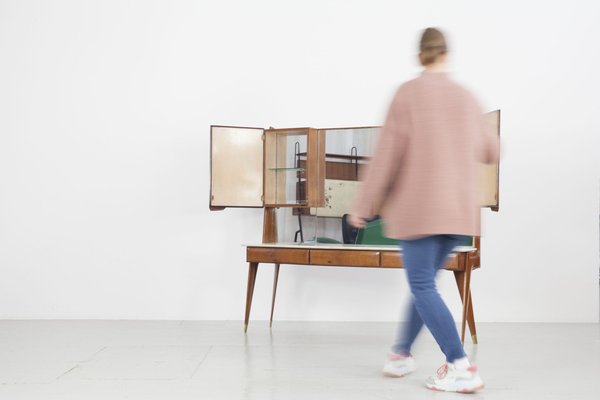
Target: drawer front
{"x":277,"y":255}
{"x":350,"y":258}
{"x":391,"y":260}
{"x":394,"y":260}
{"x":458,"y":261}
{"x":452,"y":263}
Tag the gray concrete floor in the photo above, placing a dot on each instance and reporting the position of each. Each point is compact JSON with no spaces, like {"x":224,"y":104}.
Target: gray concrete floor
{"x":294,"y":360}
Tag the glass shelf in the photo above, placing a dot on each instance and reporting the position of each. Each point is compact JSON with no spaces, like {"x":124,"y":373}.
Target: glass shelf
{"x":288,"y":169}
{"x":297,"y":202}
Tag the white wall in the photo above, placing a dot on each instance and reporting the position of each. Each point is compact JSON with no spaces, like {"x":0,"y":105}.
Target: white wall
{"x":105,"y":109}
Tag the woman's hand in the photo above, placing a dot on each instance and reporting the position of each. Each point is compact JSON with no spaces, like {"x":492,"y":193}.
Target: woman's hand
{"x":356,"y":221}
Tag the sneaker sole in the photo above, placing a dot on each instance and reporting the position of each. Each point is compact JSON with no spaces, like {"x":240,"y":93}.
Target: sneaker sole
{"x":465,"y":391}
{"x":392,"y":375}
{"x":473,"y":390}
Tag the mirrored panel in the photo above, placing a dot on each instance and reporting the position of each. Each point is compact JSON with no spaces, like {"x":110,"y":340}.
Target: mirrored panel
{"x":343,"y":155}
{"x":347,"y":151}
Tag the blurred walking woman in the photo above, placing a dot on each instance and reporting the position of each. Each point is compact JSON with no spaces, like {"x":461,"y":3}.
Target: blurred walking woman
{"x":423,"y":180}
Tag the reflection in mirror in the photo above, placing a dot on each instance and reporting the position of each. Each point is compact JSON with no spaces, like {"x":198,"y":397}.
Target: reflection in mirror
{"x":347,"y":151}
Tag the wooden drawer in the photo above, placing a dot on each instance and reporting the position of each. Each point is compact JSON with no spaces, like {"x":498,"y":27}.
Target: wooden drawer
{"x":391,"y":260}
{"x":277,"y":255}
{"x":350,"y":258}
{"x":458,"y":261}
{"x":394,"y":260}
{"x":452,"y":262}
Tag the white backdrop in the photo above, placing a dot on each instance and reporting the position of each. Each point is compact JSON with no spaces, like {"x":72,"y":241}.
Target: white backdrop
{"x":105,"y":109}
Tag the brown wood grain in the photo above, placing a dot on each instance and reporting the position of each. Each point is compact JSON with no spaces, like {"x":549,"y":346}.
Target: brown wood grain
{"x":350,"y":258}
{"x":278,"y":256}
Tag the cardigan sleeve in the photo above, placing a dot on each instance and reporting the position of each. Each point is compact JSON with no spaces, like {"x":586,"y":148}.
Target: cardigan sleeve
{"x":378,"y":174}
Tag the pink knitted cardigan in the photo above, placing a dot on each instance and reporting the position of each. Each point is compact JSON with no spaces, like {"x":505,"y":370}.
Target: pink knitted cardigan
{"x":423,"y":178}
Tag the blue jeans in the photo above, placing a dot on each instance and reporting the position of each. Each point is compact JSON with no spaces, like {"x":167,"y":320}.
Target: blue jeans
{"x":422,"y":259}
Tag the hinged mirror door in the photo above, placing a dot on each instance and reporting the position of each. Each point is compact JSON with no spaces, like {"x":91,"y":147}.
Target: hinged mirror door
{"x":236,"y":167}
{"x":491,"y":172}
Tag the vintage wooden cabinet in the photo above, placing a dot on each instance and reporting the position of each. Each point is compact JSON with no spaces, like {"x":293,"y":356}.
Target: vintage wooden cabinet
{"x":315,"y":173}
{"x":311,"y":171}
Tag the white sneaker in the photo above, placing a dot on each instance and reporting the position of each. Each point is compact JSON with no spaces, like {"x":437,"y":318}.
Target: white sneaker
{"x":398,"y":365}
{"x":449,"y":379}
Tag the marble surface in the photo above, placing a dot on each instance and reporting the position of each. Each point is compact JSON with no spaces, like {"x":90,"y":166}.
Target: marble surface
{"x":336,"y":246}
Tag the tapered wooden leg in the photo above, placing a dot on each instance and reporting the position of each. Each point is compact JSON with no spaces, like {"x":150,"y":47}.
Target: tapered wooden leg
{"x":471,"y":320}
{"x":464,"y":287}
{"x":460,"y":280}
{"x":467,"y":299}
{"x":252,"y":271}
{"x":275,"y":279}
